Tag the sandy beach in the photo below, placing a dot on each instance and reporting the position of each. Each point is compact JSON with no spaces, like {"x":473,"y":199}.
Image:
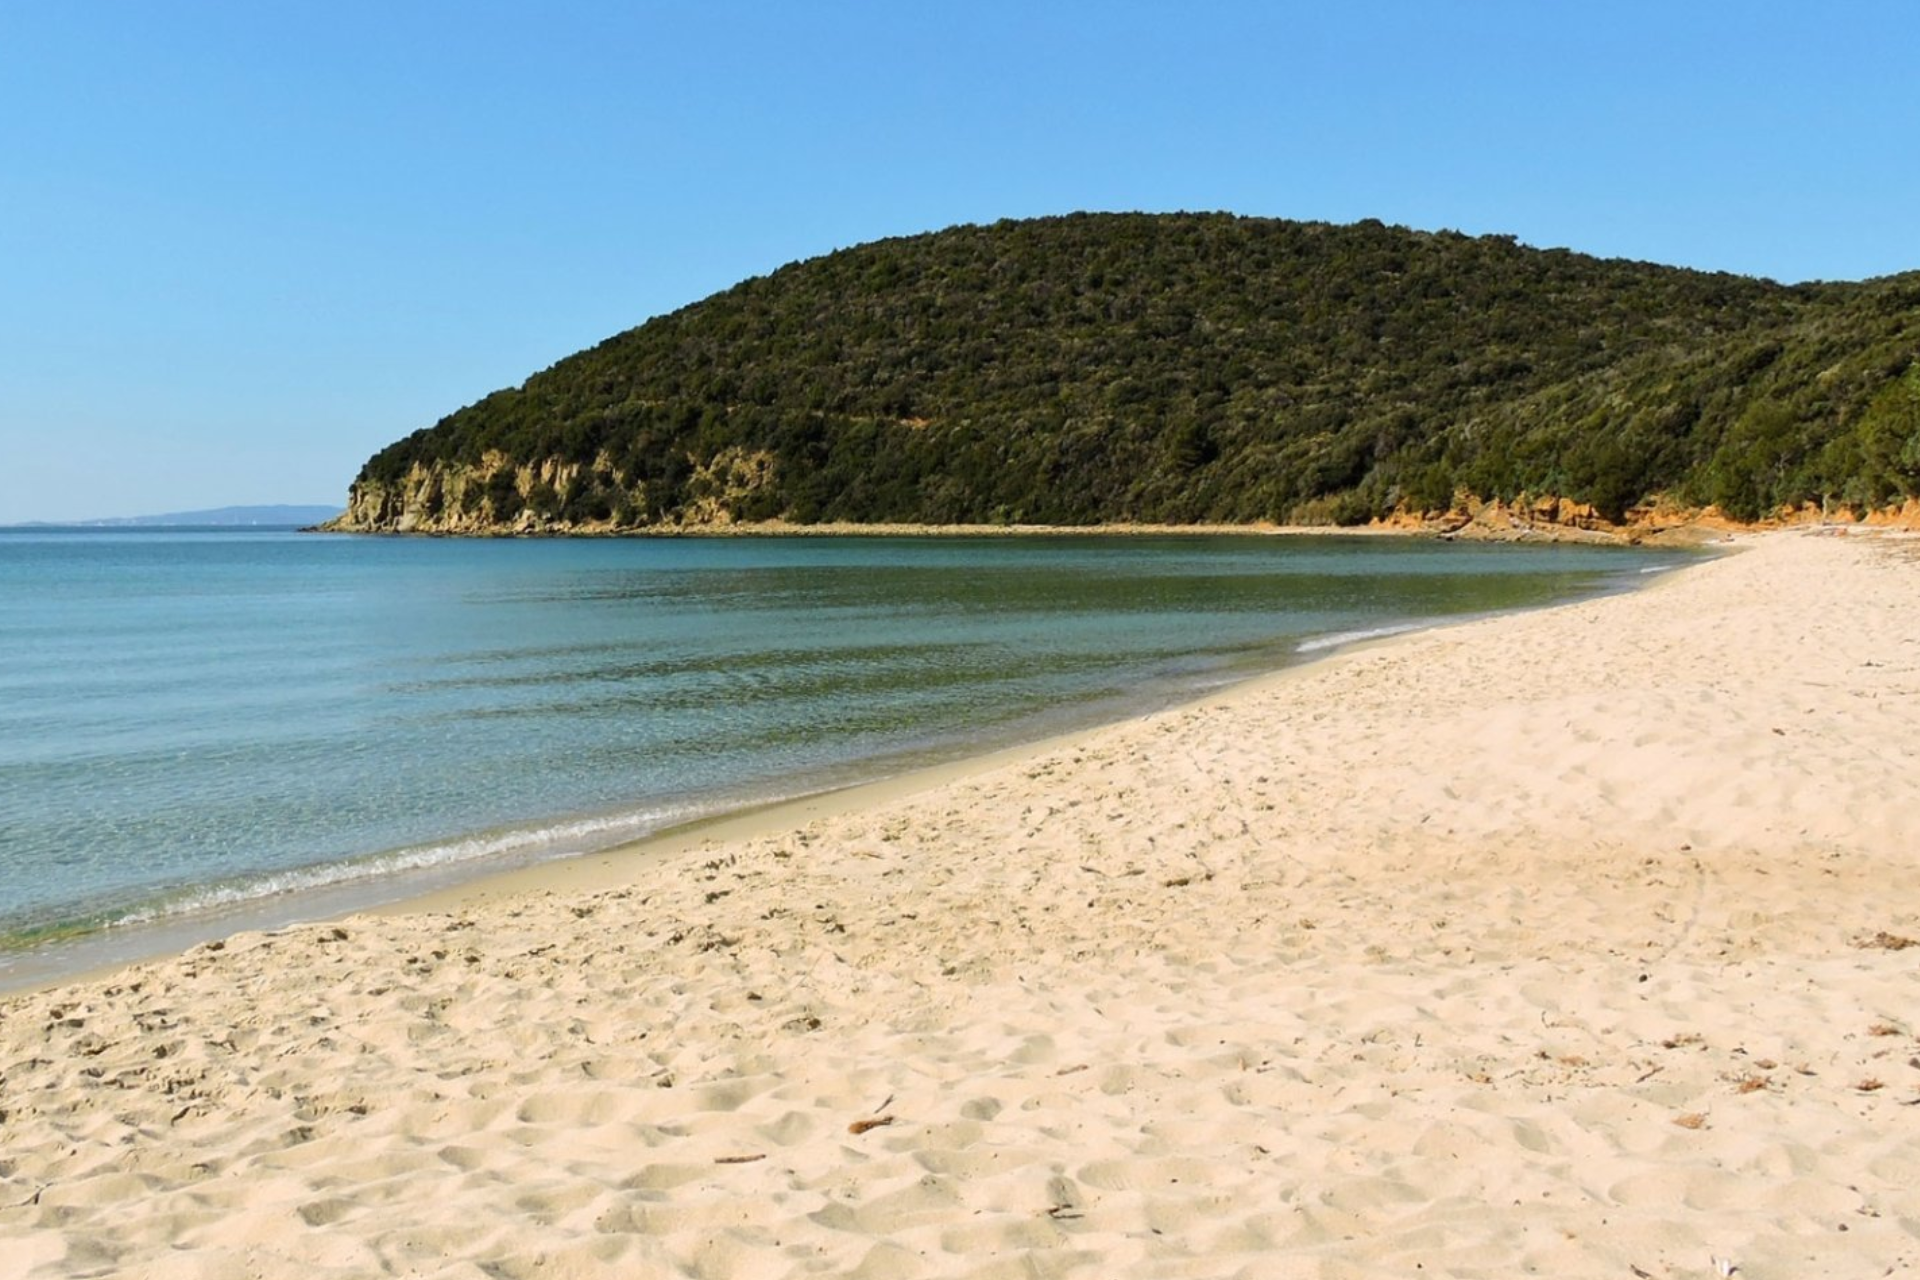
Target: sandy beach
{"x":1572,"y":943}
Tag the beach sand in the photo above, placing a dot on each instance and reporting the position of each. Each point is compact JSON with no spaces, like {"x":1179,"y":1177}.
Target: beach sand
{"x":1571,"y":943}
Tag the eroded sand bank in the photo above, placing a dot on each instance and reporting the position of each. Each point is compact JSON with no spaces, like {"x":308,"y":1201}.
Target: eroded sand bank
{"x":1567,"y":943}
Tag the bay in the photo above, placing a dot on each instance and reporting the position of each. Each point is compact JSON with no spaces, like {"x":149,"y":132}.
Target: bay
{"x":199,"y":727}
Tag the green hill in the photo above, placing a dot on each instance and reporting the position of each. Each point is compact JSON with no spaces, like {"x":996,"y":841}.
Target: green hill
{"x":1186,"y":368}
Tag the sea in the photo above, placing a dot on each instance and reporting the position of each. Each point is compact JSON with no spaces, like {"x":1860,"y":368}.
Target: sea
{"x":203,"y":730}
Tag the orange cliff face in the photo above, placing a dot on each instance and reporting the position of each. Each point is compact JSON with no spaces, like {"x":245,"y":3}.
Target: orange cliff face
{"x":1906,"y":516}
{"x":1560,"y":519}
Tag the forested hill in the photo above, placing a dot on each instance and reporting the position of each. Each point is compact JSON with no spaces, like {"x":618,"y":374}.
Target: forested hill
{"x":1186,"y":368}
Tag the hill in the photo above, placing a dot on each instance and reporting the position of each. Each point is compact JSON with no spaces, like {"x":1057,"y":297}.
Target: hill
{"x":1184,"y":368}
{"x":283,"y":515}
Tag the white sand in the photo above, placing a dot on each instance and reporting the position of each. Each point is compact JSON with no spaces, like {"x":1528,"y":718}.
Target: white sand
{"x":1527,"y":946}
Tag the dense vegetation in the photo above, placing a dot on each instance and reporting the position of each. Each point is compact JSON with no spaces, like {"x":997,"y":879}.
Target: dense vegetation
{"x":1199,"y":367}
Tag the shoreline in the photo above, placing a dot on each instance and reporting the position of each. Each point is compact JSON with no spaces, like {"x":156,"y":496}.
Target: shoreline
{"x":124,"y":947}
{"x":1476,"y":520}
{"x":101,"y":951}
{"x":1492,"y":523}
{"x":619,"y":865}
{"x":1577,"y":941}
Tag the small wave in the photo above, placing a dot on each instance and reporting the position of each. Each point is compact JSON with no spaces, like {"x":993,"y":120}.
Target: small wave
{"x":565,"y":839}
{"x":1335,"y":639}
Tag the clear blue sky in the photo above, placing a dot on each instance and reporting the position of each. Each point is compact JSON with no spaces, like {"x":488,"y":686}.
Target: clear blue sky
{"x":243,"y":245}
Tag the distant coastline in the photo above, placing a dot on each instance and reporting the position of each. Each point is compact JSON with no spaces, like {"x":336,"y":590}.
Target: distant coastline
{"x":272,"y":515}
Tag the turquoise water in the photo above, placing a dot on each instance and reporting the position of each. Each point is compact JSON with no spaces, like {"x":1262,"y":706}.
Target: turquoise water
{"x":193,"y":722}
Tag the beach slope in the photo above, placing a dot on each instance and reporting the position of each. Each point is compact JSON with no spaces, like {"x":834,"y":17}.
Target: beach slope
{"x":1571,"y":943}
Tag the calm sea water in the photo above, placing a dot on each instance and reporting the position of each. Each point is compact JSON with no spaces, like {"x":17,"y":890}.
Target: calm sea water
{"x":194,"y":721}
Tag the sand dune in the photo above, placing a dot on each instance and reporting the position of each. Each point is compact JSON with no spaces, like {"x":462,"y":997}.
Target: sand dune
{"x":1568,"y":944}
